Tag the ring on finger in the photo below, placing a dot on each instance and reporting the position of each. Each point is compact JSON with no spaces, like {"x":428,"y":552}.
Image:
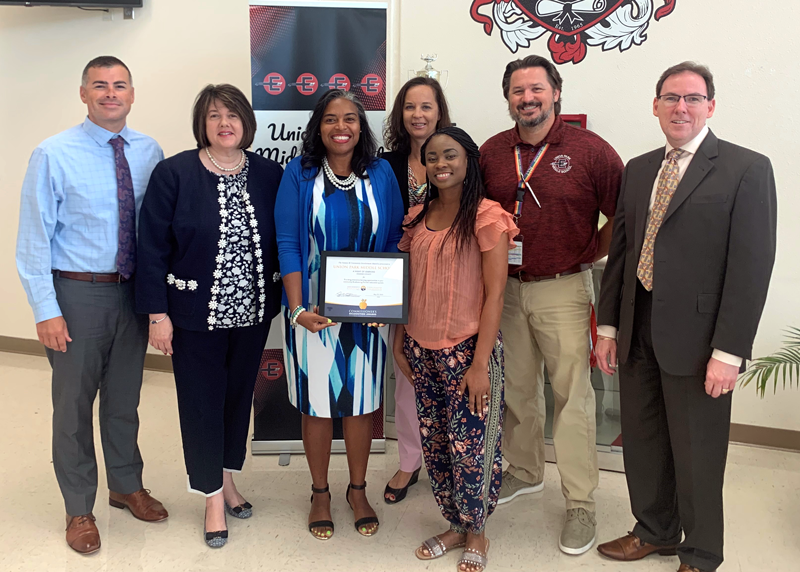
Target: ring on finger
{"x":726,"y":390}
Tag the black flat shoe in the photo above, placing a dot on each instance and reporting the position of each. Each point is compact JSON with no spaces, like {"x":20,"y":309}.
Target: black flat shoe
{"x":244,"y":510}
{"x":361,"y":523}
{"x":216,"y":539}
{"x":400,"y":494}
{"x":321,"y":523}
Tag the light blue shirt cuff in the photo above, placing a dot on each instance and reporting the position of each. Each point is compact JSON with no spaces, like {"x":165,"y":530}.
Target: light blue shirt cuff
{"x":46,"y":311}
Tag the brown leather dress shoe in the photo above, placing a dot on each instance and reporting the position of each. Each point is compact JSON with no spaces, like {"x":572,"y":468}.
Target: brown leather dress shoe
{"x":82,"y":534}
{"x":631,"y":547}
{"x":687,"y":568}
{"x":141,"y":504}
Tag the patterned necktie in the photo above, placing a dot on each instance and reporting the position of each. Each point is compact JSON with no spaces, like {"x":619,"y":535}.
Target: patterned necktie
{"x":126,"y":242}
{"x":667,"y":183}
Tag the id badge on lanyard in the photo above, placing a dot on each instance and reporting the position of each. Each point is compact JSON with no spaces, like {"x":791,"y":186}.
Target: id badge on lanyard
{"x":515,"y":254}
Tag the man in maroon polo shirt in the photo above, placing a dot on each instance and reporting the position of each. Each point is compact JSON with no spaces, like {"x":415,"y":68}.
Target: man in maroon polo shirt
{"x":556,"y":179}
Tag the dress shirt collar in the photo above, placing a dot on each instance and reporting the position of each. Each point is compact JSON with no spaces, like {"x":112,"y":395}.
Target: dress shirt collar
{"x":103,"y":136}
{"x":692,"y":146}
{"x":553,"y":137}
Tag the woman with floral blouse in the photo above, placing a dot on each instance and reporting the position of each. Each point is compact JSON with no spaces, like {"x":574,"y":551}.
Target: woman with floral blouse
{"x":207,"y":257}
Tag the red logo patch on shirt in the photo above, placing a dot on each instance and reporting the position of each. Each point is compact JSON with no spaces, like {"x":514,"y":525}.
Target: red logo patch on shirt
{"x":562,"y":164}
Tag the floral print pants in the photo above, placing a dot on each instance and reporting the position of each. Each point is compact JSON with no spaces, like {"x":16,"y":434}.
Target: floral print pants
{"x":463,"y":454}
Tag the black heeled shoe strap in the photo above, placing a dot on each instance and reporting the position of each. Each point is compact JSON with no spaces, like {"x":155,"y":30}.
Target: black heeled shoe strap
{"x":321,"y":524}
{"x":367,"y":520}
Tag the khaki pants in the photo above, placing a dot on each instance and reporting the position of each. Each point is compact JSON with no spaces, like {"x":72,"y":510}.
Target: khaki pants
{"x":547,"y":324}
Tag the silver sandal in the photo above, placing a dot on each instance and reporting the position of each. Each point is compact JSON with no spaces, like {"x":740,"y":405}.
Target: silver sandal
{"x":474,"y":558}
{"x":435,"y":547}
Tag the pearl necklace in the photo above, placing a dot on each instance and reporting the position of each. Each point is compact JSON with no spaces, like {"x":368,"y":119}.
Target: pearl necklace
{"x":347,"y":185}
{"x":220,"y":167}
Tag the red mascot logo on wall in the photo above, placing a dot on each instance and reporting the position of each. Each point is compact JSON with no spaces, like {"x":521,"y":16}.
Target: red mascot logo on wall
{"x":573,"y":24}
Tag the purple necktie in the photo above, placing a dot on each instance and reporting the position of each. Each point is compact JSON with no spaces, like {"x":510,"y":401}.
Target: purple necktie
{"x":126,"y":243}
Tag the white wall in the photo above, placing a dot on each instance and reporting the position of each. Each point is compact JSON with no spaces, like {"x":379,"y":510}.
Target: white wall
{"x":174,"y":47}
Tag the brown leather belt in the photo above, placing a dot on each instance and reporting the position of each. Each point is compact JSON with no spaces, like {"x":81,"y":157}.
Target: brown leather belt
{"x":90,"y":276}
{"x":525,"y":277}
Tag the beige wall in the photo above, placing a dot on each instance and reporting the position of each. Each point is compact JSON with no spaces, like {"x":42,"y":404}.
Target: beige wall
{"x":176,"y":46}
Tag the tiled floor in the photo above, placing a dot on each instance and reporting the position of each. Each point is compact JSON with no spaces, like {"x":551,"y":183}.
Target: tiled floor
{"x":762,"y":534}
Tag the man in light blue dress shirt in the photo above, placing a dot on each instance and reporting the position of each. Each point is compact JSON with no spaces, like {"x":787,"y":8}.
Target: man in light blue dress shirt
{"x":75,"y":252}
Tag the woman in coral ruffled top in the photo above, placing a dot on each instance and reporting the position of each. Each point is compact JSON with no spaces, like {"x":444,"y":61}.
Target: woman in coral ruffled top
{"x":459,"y":242}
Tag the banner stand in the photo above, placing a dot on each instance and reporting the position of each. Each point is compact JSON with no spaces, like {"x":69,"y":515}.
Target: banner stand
{"x":300,"y":49}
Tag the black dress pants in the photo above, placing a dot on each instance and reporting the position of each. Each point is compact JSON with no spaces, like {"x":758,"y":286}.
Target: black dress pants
{"x":675,"y":444}
{"x":215,"y":373}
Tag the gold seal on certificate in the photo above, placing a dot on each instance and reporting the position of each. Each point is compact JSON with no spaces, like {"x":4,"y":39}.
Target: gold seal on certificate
{"x":364,"y":287}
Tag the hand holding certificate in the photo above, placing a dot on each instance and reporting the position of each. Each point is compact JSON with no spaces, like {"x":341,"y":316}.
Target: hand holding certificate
{"x":364,"y":287}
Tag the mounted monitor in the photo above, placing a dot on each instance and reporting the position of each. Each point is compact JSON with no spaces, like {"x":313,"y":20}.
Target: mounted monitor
{"x":76,"y":3}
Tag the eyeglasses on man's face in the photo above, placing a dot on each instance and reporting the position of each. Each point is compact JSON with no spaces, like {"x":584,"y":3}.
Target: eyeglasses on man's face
{"x":692,"y":100}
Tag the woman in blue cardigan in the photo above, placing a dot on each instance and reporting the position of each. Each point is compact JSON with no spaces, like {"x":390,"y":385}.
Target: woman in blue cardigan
{"x":338,"y":197}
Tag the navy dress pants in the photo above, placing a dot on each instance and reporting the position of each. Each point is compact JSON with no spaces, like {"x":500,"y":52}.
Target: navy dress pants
{"x":215,"y":373}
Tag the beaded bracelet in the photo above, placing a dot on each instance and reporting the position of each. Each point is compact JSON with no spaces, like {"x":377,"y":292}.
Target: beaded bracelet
{"x":295,"y":314}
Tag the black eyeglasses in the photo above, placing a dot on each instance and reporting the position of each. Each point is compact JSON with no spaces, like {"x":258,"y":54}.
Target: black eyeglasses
{"x":692,"y":100}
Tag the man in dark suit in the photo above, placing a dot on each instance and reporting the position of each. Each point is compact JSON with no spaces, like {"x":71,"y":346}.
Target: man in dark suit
{"x":687,"y":277}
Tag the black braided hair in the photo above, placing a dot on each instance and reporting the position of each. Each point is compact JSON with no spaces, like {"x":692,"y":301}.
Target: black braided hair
{"x":463,"y":227}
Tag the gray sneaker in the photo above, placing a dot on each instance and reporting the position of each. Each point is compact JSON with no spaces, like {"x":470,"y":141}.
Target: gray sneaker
{"x":512,"y":487}
{"x":578,"y":535}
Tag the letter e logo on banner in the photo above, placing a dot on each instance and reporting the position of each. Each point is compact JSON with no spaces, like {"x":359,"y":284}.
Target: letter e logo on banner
{"x":339,"y":81}
{"x":307,"y":84}
{"x":272,"y":369}
{"x":371,"y":84}
{"x":274,"y":84}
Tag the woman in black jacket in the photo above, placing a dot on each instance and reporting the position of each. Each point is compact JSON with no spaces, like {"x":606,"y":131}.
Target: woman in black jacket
{"x":207,"y":258}
{"x":419,"y":109}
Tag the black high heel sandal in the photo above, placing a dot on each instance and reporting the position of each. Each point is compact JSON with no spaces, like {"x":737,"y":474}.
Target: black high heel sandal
{"x":321,"y":523}
{"x":361,"y":523}
{"x":400,"y":494}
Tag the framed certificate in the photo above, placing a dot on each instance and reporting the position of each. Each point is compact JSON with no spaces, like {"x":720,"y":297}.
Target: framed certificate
{"x":364,"y":287}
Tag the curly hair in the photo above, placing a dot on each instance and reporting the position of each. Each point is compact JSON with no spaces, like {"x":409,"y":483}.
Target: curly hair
{"x":463,"y":228}
{"x":395,"y":134}
{"x":313,"y":150}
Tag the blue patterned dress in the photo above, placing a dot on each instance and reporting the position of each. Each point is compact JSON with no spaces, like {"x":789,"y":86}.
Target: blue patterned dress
{"x":337,"y":372}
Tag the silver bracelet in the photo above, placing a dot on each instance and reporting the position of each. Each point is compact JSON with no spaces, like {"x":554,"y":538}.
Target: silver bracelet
{"x":154,"y":322}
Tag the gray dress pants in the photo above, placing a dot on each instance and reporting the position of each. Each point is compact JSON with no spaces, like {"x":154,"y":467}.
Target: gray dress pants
{"x":106,"y":354}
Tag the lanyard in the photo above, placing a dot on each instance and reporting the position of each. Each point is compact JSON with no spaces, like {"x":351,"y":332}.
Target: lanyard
{"x":523,"y":178}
